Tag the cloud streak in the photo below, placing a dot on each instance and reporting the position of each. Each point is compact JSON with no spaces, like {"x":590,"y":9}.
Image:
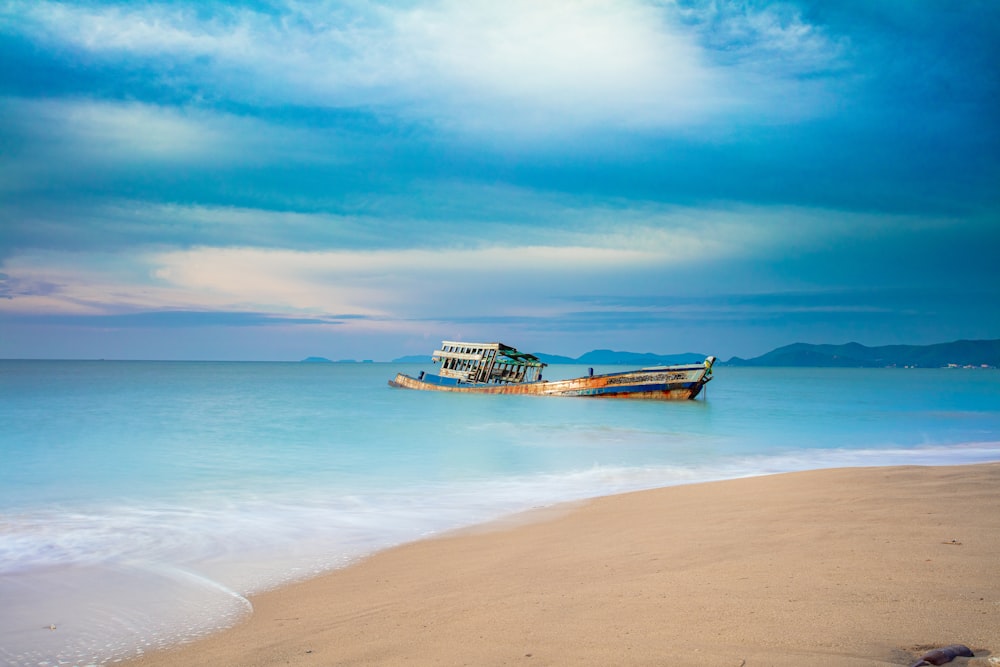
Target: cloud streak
{"x":597,"y":251}
{"x":176,"y":319}
{"x":476,"y":68}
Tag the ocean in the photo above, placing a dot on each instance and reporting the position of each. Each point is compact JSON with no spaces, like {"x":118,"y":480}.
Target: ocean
{"x":142,"y":502}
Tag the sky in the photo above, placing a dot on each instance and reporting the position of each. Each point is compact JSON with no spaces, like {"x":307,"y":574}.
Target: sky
{"x":277,"y":179}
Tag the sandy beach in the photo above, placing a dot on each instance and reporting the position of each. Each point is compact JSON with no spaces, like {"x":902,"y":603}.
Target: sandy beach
{"x":864,"y":566}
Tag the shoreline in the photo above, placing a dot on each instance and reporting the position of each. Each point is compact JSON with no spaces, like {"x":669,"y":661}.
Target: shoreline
{"x":849,"y":566}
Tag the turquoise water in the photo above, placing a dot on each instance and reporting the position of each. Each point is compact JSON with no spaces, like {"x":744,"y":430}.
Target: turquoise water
{"x":140,"y":502}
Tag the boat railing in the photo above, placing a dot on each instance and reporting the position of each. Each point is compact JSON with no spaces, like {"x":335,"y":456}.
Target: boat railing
{"x":486,"y":363}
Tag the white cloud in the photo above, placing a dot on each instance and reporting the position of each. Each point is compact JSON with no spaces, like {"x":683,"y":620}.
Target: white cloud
{"x":75,"y":138}
{"x":648,"y":251}
{"x":518,"y":68}
{"x":137,"y":130}
{"x":119,"y":131}
{"x":78,"y":283}
{"x":557,"y":64}
{"x":380,"y":282}
{"x":776,"y":35}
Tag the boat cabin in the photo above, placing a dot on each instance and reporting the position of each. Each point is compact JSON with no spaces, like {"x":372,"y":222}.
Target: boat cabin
{"x":487,"y":363}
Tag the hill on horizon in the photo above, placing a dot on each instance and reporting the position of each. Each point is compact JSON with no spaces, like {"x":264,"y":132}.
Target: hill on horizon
{"x":612,"y":357}
{"x":848,"y":355}
{"x":856,"y":355}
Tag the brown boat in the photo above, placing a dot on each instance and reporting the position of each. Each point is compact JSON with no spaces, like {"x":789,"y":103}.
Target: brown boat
{"x":495,"y":368}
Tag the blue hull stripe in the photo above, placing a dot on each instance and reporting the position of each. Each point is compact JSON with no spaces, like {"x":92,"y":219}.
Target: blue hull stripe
{"x":632,"y":388}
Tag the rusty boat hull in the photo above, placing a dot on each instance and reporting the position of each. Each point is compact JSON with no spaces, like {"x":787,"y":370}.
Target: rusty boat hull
{"x":665,"y":383}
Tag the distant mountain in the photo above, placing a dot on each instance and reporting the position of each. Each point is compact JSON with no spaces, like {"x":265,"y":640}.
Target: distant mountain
{"x":611,"y":358}
{"x":855,"y":355}
{"x":555,"y":359}
{"x":315,"y":360}
{"x":850,"y":355}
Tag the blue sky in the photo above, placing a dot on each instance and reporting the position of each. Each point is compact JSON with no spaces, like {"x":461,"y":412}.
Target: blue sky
{"x":276,"y":179}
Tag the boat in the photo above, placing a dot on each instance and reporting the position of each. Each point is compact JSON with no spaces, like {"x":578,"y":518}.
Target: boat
{"x":495,"y":368}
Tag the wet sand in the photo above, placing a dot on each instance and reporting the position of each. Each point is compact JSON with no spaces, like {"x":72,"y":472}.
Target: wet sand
{"x":865,"y":566}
